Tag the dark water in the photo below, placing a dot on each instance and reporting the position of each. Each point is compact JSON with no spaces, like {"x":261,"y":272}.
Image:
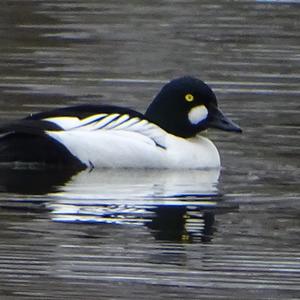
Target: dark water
{"x":120,"y":234}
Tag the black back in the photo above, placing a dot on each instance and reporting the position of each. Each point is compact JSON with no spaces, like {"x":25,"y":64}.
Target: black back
{"x":84,"y":111}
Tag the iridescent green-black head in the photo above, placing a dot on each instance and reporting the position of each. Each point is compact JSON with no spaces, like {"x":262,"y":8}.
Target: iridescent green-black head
{"x":187,"y":106}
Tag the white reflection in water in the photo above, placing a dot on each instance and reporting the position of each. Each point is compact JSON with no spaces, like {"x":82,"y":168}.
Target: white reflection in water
{"x":139,"y":184}
{"x":132,"y":196}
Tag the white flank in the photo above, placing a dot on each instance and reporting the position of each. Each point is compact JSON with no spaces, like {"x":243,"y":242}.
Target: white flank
{"x":127,"y":149}
{"x":118,"y":141}
{"x":198,"y":114}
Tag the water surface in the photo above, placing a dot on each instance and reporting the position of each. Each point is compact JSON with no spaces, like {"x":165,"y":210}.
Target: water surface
{"x":150,"y":234}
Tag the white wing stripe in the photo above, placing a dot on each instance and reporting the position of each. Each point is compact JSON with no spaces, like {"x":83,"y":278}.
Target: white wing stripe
{"x":104,"y":122}
{"x":91,"y":119}
{"x":65,"y":123}
{"x":127,"y":124}
{"x":98,"y":124}
{"x":143,"y":125}
{"x":68,"y":123}
{"x":117,"y":122}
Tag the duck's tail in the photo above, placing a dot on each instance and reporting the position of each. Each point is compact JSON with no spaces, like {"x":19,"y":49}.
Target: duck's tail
{"x":27,"y":142}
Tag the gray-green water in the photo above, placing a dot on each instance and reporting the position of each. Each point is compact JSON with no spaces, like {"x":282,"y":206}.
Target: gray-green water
{"x":120,"y":234}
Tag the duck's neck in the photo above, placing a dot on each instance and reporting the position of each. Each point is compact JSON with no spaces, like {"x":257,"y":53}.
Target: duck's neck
{"x":169,"y":120}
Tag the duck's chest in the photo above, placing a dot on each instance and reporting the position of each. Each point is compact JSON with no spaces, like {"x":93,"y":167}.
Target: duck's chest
{"x":194,"y":153}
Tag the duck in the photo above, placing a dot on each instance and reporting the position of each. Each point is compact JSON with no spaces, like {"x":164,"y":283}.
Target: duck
{"x":169,"y":135}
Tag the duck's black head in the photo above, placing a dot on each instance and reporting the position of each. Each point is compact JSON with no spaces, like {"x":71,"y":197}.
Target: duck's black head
{"x":186,"y":106}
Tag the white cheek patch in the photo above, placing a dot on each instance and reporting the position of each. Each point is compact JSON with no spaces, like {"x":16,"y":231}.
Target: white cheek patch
{"x":197,"y":114}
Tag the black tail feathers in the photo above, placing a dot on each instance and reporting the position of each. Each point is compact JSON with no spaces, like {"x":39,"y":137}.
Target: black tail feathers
{"x":35,"y":148}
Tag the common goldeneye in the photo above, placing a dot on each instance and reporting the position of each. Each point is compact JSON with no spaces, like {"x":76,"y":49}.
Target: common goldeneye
{"x":95,"y":136}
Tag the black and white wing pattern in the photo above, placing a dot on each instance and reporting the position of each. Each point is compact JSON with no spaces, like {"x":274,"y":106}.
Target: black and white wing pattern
{"x":86,"y":134}
{"x":91,"y":118}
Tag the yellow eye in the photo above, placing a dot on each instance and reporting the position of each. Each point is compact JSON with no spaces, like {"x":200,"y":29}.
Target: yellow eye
{"x":189,"y":97}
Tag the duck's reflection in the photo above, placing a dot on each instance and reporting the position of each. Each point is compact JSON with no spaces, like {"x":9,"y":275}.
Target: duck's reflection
{"x":32,"y":181}
{"x":181,"y":223}
{"x":172,"y":204}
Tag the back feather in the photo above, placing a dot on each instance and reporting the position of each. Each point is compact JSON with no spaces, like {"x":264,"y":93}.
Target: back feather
{"x":28,"y":140}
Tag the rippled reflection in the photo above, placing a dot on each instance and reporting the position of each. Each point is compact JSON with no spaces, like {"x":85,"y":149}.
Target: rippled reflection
{"x":175,"y":205}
